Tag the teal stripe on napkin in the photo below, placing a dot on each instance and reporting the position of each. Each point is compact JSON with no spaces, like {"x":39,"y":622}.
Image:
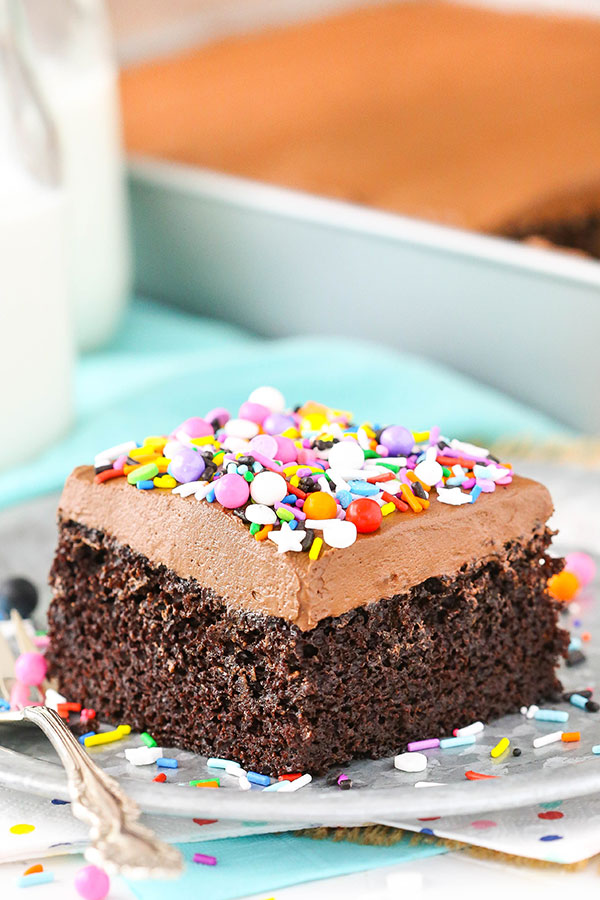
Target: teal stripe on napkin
{"x":265,"y":863}
{"x":165,"y":366}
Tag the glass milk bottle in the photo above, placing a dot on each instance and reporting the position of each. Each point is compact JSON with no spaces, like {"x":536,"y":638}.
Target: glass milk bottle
{"x":35,"y":338}
{"x":69,"y":50}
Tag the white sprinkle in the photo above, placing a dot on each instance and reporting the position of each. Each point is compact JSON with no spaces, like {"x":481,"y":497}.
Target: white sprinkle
{"x":232,"y":768}
{"x":143,"y":756}
{"x":297,"y":783}
{"x":52,"y":698}
{"x":475,"y":728}
{"x":469,"y":449}
{"x":244,"y":784}
{"x":190,"y":487}
{"x":547,"y":739}
{"x":410,"y":762}
{"x":109,"y":456}
{"x":324,"y":485}
{"x":523,"y":710}
{"x":453,"y":496}
{"x":337,"y":478}
{"x":261,"y":514}
{"x":530,"y":714}
{"x":422,"y":784}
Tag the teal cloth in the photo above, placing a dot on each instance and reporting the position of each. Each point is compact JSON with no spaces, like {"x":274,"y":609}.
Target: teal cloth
{"x":165,"y":365}
{"x":265,"y":863}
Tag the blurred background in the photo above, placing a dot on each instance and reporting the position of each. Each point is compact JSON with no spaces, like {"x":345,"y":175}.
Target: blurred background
{"x":391,"y":207}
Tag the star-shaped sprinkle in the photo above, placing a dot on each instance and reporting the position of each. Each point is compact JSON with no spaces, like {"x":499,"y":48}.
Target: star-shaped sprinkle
{"x":287,"y":539}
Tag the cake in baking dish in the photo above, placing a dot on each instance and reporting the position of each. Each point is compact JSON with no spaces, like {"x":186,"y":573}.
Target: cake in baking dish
{"x":478,"y":118}
{"x":292,"y":590}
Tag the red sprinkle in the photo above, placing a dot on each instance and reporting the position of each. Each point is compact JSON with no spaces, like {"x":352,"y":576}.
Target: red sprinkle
{"x":161,"y":778}
{"x":477,"y":776}
{"x":391,"y":498}
{"x":88,"y":713}
{"x":377,"y":479}
{"x":296,"y":491}
{"x":107,"y":475}
{"x":289,"y":777}
{"x":204,"y":821}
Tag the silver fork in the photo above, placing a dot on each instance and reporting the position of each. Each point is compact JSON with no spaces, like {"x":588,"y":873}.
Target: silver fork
{"x":118,"y":842}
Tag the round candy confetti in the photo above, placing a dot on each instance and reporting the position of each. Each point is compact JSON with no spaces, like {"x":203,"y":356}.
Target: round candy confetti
{"x":287,"y":451}
{"x":232,"y":491}
{"x":187,"y":465}
{"x":398,"y":440}
{"x":31,"y":668}
{"x":195,"y":428}
{"x":268,"y":488}
{"x":563,"y":586}
{"x":410,"y":762}
{"x":320,"y":505}
{"x":241,"y":428}
{"x":429,"y":471}
{"x":339,"y":533}
{"x":275,"y":423}
{"x":269,"y":397}
{"x":19,"y":594}
{"x":253,"y":412}
{"x":265,"y":444}
{"x":92,"y":883}
{"x":365,"y":514}
{"x":261,"y":514}
{"x":346,"y":455}
{"x":582,"y":566}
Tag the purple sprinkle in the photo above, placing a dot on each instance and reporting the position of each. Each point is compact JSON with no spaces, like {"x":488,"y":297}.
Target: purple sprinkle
{"x":423,"y":745}
{"x":342,"y":777}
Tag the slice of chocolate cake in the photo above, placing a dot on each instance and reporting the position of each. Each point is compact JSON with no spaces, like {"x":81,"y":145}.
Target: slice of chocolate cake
{"x":292,"y":591}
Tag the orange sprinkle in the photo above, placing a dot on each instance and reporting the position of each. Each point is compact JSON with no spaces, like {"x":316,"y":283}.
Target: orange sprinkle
{"x":569,"y":736}
{"x":413,"y":502}
{"x":414,"y":478}
{"x":33,"y":869}
{"x":585,"y":636}
{"x":208,"y":784}
{"x":128,"y":467}
{"x":477,"y":776}
{"x":291,"y":777}
{"x":262,"y":534}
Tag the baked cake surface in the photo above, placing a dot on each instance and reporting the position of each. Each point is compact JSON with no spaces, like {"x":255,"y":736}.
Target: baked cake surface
{"x":179,"y":616}
{"x":473,"y":117}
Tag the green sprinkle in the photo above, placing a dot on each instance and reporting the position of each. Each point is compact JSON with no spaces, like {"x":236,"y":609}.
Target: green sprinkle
{"x":249,"y":476}
{"x":447,"y":472}
{"x":285,"y":514}
{"x":144,"y":473}
{"x":254,"y":528}
{"x":204,"y":781}
{"x":391,"y":466}
{"x":148,"y":739}
{"x":371,"y":454}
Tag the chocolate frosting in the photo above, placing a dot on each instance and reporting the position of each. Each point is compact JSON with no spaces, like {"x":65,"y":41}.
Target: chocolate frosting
{"x":205,"y":542}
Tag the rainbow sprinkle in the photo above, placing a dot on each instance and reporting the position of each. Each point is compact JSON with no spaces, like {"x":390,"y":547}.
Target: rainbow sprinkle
{"x":308,"y":477}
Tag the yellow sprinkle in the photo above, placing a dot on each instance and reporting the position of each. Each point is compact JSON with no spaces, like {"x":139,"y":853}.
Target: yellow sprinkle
{"x":315,"y":548}
{"x":290,"y":432}
{"x":290,"y":470}
{"x":165,"y":481}
{"x":201,"y":441}
{"x":294,"y":481}
{"x":420,"y":436}
{"x":368,"y":430}
{"x":156,"y":442}
{"x":22,"y":828}
{"x":500,"y":748}
{"x":107,"y":737}
{"x":143,"y":454}
{"x":218,"y":458}
{"x":162,"y":464}
{"x":387,"y":508}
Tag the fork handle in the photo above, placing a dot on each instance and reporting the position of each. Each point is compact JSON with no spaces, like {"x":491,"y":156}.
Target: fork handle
{"x":119,"y":843}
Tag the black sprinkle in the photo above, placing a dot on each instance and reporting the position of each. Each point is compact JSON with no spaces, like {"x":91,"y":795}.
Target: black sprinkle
{"x":240,"y":512}
{"x":575,"y":658}
{"x":307,"y":485}
{"x":98,"y":469}
{"x":345,"y":784}
{"x":215,"y":424}
{"x":592,"y":706}
{"x":308,"y":538}
{"x":516,"y":751}
{"x":585,"y":693}
{"x":332,"y":778}
{"x":418,"y":491}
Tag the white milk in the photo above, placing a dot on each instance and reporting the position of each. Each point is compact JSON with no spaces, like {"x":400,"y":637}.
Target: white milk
{"x":35,"y":339}
{"x":70,"y":55}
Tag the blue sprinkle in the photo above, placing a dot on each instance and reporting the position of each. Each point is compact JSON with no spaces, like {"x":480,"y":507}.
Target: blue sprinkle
{"x":363,"y":488}
{"x":145,"y":485}
{"x":426,"y":831}
{"x":293,"y":523}
{"x":257,"y":467}
{"x":290,"y":499}
{"x":344,"y":498}
{"x":578,"y":700}
{"x":4,"y":705}
{"x":551,"y":715}
{"x":456,"y":481}
{"x":475,"y":493}
{"x":86,"y":735}
{"x":576,"y":644}
{"x":551,"y":837}
{"x":257,"y":778}
{"x":35,"y":878}
{"x":167,"y":762}
{"x":60,"y":802}
{"x":596,"y":750}
{"x":464,"y":741}
{"x":231,"y":468}
{"x":211,"y":495}
{"x":242,"y":469}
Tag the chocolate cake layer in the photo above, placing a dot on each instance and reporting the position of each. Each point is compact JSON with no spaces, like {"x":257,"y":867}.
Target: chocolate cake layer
{"x":143,"y":645}
{"x":451,"y":113}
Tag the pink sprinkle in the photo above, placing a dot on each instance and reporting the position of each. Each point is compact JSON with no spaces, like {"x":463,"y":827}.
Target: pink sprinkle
{"x":41,"y":640}
{"x":487,"y":486}
{"x":265,"y":461}
{"x":383,"y":451}
{"x":120,"y":461}
{"x":434,"y":434}
{"x":483,"y":823}
{"x":506,"y":480}
{"x":423,"y":745}
{"x":468,"y":483}
{"x":204,"y":859}
{"x":302,"y":472}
